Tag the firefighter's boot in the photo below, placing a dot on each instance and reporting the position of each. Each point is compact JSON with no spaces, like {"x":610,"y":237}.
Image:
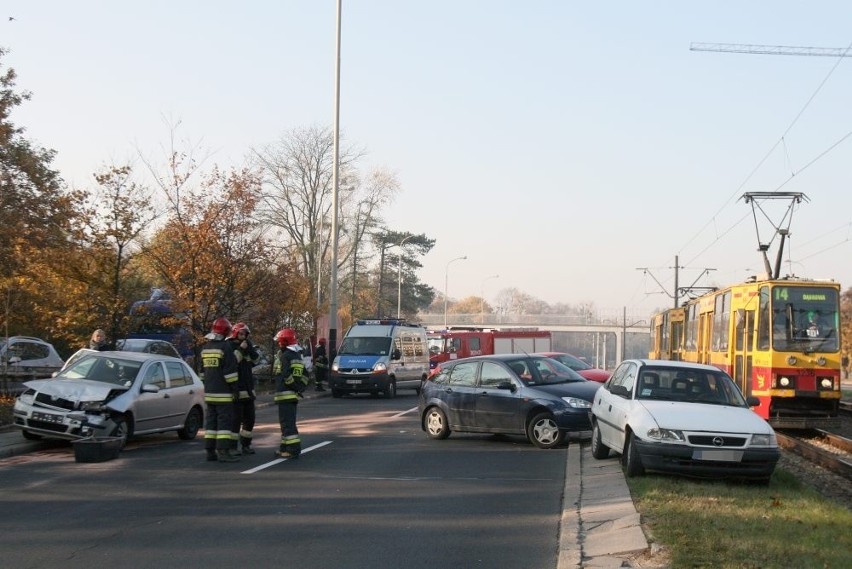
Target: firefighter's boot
{"x":245,"y":443}
{"x":227,"y":455}
{"x":211,"y":455}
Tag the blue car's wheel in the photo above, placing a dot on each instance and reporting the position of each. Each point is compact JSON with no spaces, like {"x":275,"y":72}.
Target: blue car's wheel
{"x":543,"y":431}
{"x":435,"y":423}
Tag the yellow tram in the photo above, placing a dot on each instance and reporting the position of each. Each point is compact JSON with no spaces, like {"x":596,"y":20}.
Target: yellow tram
{"x":778,"y":338}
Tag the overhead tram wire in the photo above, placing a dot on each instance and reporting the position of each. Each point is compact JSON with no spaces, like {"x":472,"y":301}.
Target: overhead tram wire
{"x":840,"y":53}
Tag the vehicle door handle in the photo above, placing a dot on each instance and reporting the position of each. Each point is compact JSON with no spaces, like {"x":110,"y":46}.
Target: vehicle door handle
{"x":610,"y":409}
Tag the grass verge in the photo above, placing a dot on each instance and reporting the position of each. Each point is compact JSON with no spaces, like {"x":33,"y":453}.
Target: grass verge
{"x":737,"y":525}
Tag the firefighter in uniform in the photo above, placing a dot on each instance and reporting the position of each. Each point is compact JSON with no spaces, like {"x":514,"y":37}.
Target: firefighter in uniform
{"x":320,"y":364}
{"x":220,"y":393}
{"x":244,"y":411}
{"x":290,"y":381}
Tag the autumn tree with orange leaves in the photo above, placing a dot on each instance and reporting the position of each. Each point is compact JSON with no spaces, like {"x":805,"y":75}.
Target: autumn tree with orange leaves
{"x":213,"y":257}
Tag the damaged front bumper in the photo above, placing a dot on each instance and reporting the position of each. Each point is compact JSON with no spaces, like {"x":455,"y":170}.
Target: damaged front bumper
{"x":63,"y":424}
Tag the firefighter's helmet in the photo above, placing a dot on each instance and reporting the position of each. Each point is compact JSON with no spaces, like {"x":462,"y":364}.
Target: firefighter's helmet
{"x":321,"y":341}
{"x":221,"y":326}
{"x":240,"y":327}
{"x":285,"y":337}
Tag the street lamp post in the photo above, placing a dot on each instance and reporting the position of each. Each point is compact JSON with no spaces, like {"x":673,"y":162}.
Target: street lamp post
{"x":482,"y":297}
{"x":399,"y":278}
{"x":446,"y":281}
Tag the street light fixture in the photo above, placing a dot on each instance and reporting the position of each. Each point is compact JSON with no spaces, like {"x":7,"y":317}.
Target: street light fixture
{"x":399,"y":278}
{"x":446,"y":281}
{"x":482,"y":297}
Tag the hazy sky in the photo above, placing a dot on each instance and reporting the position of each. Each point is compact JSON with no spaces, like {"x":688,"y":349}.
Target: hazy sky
{"x":561,"y":145}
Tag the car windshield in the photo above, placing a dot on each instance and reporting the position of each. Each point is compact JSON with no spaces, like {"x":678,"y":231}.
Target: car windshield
{"x":690,"y":385}
{"x":365,"y":347}
{"x":132,"y":345}
{"x":543,"y":371}
{"x":571,"y":361}
{"x":112,"y":370}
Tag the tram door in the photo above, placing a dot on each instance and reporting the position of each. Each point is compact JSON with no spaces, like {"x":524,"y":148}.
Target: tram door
{"x":705,"y":336}
{"x":743,"y":345}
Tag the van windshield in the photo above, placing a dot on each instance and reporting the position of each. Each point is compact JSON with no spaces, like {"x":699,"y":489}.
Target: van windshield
{"x":365,"y":347}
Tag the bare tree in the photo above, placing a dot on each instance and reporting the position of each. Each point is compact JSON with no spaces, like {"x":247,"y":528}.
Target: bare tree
{"x":298,"y":193}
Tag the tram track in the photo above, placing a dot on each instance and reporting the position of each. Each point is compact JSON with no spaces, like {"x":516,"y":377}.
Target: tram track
{"x":830,"y":451}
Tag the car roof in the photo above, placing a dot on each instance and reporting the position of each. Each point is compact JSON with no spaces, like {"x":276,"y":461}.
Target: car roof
{"x":673,"y":364}
{"x":135,"y":356}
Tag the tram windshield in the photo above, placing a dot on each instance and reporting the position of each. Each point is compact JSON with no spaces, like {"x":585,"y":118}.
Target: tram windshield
{"x":805,"y":319}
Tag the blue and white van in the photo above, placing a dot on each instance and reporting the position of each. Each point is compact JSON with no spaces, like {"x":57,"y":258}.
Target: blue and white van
{"x":380,"y":356}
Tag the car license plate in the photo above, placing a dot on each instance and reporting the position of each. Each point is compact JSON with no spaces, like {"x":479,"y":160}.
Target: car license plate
{"x":353,"y":381}
{"x":718,"y":455}
{"x":47,"y":418}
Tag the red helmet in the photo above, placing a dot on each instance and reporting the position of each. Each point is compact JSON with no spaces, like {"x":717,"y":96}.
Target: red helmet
{"x":321,"y":341}
{"x":285,"y":337}
{"x":221,"y":326}
{"x":240,"y":327}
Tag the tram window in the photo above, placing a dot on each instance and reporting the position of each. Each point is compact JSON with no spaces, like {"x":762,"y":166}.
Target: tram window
{"x":763,"y":320}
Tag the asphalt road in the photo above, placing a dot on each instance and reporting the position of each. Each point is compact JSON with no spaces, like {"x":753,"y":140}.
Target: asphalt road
{"x":369,"y":491}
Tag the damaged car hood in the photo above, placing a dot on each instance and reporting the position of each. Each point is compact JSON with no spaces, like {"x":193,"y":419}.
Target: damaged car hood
{"x":74,"y":390}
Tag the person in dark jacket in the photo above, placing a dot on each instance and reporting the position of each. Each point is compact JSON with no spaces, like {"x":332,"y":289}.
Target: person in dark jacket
{"x":290,"y":382}
{"x":99,"y":341}
{"x":320,"y":364}
{"x":244,"y":410}
{"x":220,"y":393}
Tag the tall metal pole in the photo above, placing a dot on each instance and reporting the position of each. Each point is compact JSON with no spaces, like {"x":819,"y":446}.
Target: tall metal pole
{"x":677,"y":267}
{"x":332,"y":305}
{"x":399,"y":278}
{"x":446,"y":287}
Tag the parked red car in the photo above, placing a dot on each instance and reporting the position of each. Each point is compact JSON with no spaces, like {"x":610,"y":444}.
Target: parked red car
{"x":578,"y":365}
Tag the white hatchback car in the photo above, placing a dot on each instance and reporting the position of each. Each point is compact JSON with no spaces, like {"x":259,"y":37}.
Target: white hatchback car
{"x":113,"y":394}
{"x":682,"y":418}
{"x":24,"y":357}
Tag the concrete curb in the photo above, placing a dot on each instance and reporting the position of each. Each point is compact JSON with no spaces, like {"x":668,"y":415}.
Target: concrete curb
{"x":600,"y":526}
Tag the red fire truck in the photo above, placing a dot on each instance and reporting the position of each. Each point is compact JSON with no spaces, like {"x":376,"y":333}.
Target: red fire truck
{"x":456,"y":343}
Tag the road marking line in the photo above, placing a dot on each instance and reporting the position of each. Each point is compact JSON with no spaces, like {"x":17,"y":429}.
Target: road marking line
{"x":280,"y":460}
{"x":400,"y":414}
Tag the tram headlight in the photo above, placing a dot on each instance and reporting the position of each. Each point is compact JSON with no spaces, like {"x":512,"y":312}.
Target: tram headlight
{"x":820,"y":361}
{"x":791,"y":360}
{"x":784,"y":381}
{"x":826,"y":383}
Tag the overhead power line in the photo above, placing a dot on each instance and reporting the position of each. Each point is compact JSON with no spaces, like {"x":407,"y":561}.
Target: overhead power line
{"x":771,"y":49}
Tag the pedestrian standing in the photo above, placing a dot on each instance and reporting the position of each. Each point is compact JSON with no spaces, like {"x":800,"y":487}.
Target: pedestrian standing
{"x":220,"y":393}
{"x":320,"y":364}
{"x":244,"y":410}
{"x":99,"y":341}
{"x":290,"y":382}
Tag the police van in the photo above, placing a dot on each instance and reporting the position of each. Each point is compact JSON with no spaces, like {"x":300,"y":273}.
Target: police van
{"x":380,"y":356}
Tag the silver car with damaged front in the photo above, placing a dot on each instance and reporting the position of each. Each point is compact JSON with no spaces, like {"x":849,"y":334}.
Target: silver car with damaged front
{"x":113,"y":394}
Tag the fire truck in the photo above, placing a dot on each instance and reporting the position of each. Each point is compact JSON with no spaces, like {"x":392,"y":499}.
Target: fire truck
{"x":456,"y":343}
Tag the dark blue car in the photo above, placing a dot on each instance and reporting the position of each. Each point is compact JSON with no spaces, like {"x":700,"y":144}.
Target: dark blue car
{"x":515,"y":394}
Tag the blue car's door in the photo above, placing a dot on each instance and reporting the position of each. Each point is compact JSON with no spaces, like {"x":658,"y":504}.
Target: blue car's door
{"x":498,"y":408}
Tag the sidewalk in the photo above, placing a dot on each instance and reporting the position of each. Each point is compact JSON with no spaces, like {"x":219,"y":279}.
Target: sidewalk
{"x":600,"y":525}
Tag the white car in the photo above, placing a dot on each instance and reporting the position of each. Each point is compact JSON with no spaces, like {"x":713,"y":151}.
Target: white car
{"x":24,"y":357}
{"x":113,"y":394}
{"x":683,"y":418}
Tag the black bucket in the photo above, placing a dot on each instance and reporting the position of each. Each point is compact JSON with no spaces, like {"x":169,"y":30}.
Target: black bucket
{"x":97,"y":449}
